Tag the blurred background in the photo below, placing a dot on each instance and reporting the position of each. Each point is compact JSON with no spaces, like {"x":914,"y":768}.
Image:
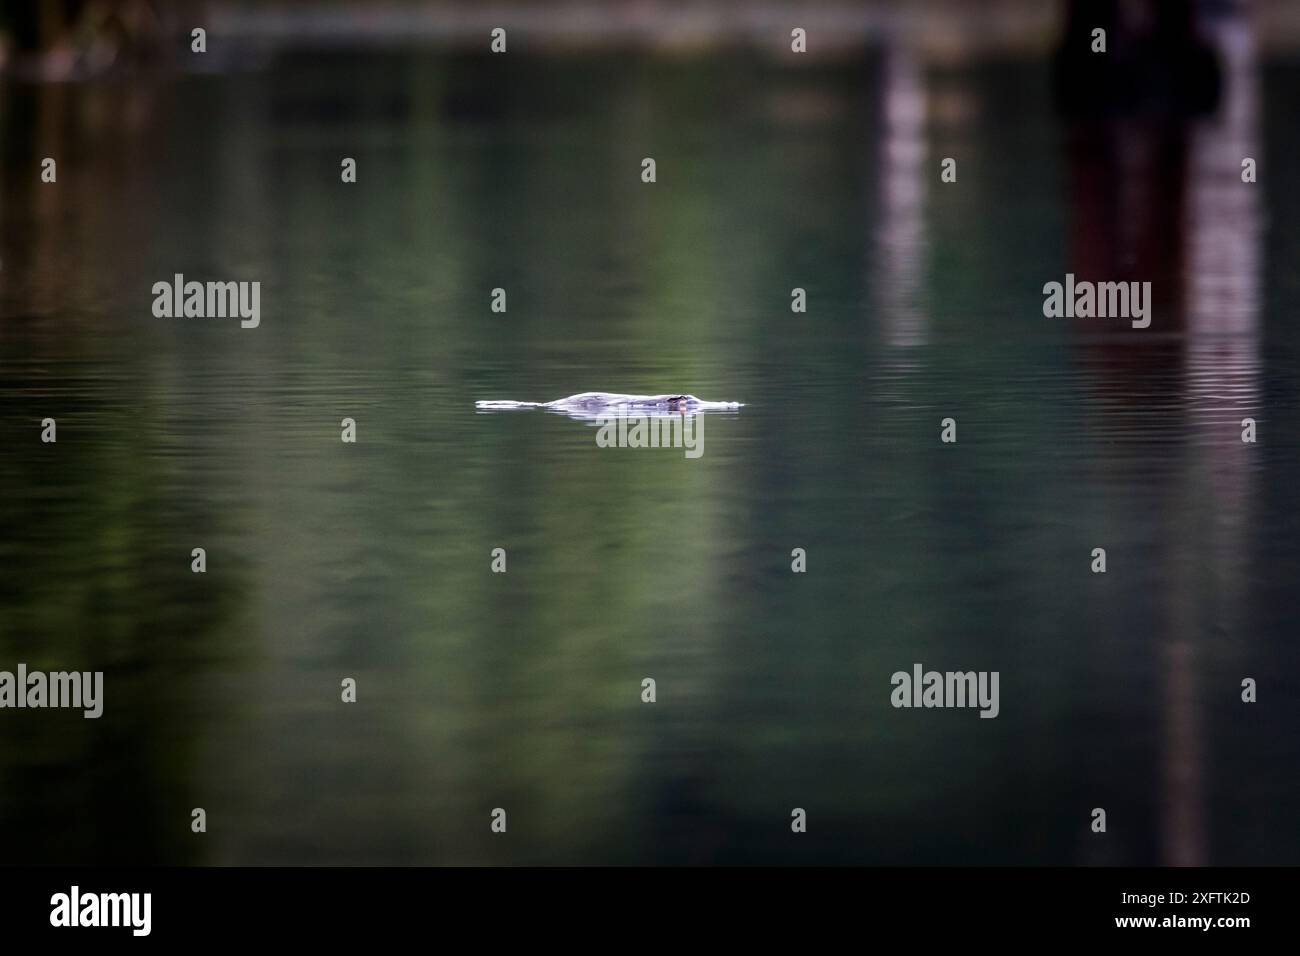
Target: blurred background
{"x":775,"y":171}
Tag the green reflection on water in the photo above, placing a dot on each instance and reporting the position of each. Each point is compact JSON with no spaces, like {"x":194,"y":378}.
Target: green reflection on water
{"x":522,"y":690}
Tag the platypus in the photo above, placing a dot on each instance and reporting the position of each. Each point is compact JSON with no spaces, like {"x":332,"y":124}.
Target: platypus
{"x":609,"y":402}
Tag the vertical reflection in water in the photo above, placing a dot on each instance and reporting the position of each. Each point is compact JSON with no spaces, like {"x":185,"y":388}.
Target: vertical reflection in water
{"x":1135,"y":170}
{"x":41,"y":265}
{"x":1221,"y":388}
{"x":900,"y":240}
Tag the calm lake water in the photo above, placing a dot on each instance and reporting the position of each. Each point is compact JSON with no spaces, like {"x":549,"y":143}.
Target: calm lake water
{"x":522,"y":690}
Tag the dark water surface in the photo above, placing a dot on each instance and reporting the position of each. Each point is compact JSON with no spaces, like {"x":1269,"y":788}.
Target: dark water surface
{"x":522,"y":691}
